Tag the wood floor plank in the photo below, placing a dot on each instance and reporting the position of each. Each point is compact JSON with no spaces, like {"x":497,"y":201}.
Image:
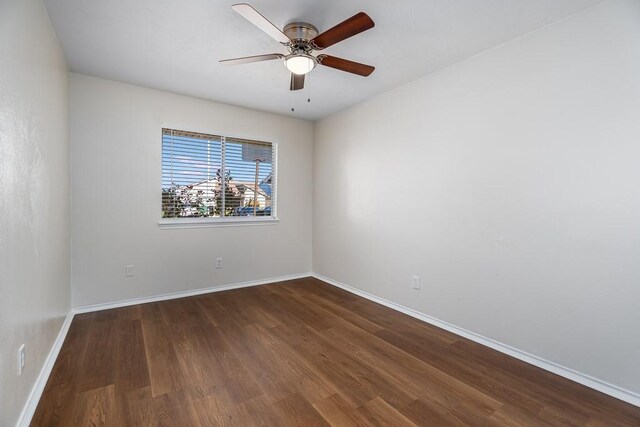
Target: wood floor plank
{"x":131,"y":371}
{"x":313,"y":286}
{"x":236,"y":379}
{"x":165,"y":373}
{"x":296,"y":411}
{"x":357,"y":381}
{"x":209,"y":408}
{"x":418,"y":378}
{"x":265,"y":370}
{"x":344,"y":314}
{"x":338,"y":412}
{"x":72,"y":351}
{"x":401,"y":323}
{"x":387,"y":358}
{"x":425,"y":413}
{"x":54,"y":408}
{"x":196,"y":360}
{"x":548,"y":389}
{"x":97,"y":367}
{"x":303,"y":353}
{"x":60,"y":388}
{"x":182,"y":313}
{"x":169,"y":409}
{"x":379,"y":412}
{"x":443,"y":358}
{"x":96,"y":407}
{"x":298,"y":375}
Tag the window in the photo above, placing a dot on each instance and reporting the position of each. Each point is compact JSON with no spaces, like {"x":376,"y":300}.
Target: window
{"x":211,"y":178}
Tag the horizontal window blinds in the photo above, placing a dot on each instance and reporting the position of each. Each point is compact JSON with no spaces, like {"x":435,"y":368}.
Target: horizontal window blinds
{"x":214,"y":176}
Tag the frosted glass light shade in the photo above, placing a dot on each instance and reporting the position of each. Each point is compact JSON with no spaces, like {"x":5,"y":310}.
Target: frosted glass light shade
{"x":300,"y":64}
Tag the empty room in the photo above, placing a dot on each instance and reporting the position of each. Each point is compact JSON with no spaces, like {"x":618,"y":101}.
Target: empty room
{"x":320,"y":213}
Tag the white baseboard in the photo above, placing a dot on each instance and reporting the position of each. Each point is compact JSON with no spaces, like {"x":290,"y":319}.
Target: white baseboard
{"x":41,"y":381}
{"x":183,"y":294}
{"x":586,"y":380}
{"x":594,"y":383}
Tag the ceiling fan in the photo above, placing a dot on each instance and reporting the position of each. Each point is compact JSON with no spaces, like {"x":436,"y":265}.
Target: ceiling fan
{"x":302,"y":39}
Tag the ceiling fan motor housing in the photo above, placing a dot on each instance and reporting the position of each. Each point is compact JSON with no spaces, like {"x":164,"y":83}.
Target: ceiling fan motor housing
{"x":301,"y":34}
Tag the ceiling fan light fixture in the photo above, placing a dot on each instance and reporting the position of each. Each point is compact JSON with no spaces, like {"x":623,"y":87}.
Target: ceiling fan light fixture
{"x":300,"y":63}
{"x":301,"y":40}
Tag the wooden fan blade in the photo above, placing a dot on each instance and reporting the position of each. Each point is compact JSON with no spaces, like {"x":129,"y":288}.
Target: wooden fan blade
{"x":355,"y":25}
{"x":297,"y":81}
{"x":256,"y":18}
{"x":345,"y":65}
{"x":249,"y":59}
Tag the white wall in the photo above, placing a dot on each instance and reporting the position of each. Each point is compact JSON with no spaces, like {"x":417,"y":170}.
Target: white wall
{"x":509,"y":183}
{"x":116,"y":184}
{"x":34,"y":197}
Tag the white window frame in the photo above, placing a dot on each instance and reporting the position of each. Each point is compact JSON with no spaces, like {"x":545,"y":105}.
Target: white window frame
{"x":228,"y":221}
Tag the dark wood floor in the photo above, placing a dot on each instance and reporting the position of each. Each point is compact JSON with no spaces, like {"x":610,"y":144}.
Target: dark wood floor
{"x":298,"y":353}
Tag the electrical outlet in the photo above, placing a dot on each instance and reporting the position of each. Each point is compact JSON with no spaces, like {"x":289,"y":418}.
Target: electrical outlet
{"x":218,"y":262}
{"x":20,"y":359}
{"x":128,"y":271}
{"x":415,"y":283}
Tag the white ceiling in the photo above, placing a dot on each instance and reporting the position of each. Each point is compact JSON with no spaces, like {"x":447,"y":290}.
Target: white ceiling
{"x":175,"y":45}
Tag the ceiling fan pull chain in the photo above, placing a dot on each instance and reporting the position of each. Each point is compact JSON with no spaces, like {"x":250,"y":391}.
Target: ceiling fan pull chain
{"x":308,"y":88}
{"x":292,"y":109}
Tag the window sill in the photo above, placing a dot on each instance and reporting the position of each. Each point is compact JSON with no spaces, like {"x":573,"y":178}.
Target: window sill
{"x":215,"y":222}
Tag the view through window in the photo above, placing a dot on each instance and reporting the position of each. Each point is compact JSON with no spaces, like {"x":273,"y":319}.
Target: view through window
{"x":215,"y":176}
